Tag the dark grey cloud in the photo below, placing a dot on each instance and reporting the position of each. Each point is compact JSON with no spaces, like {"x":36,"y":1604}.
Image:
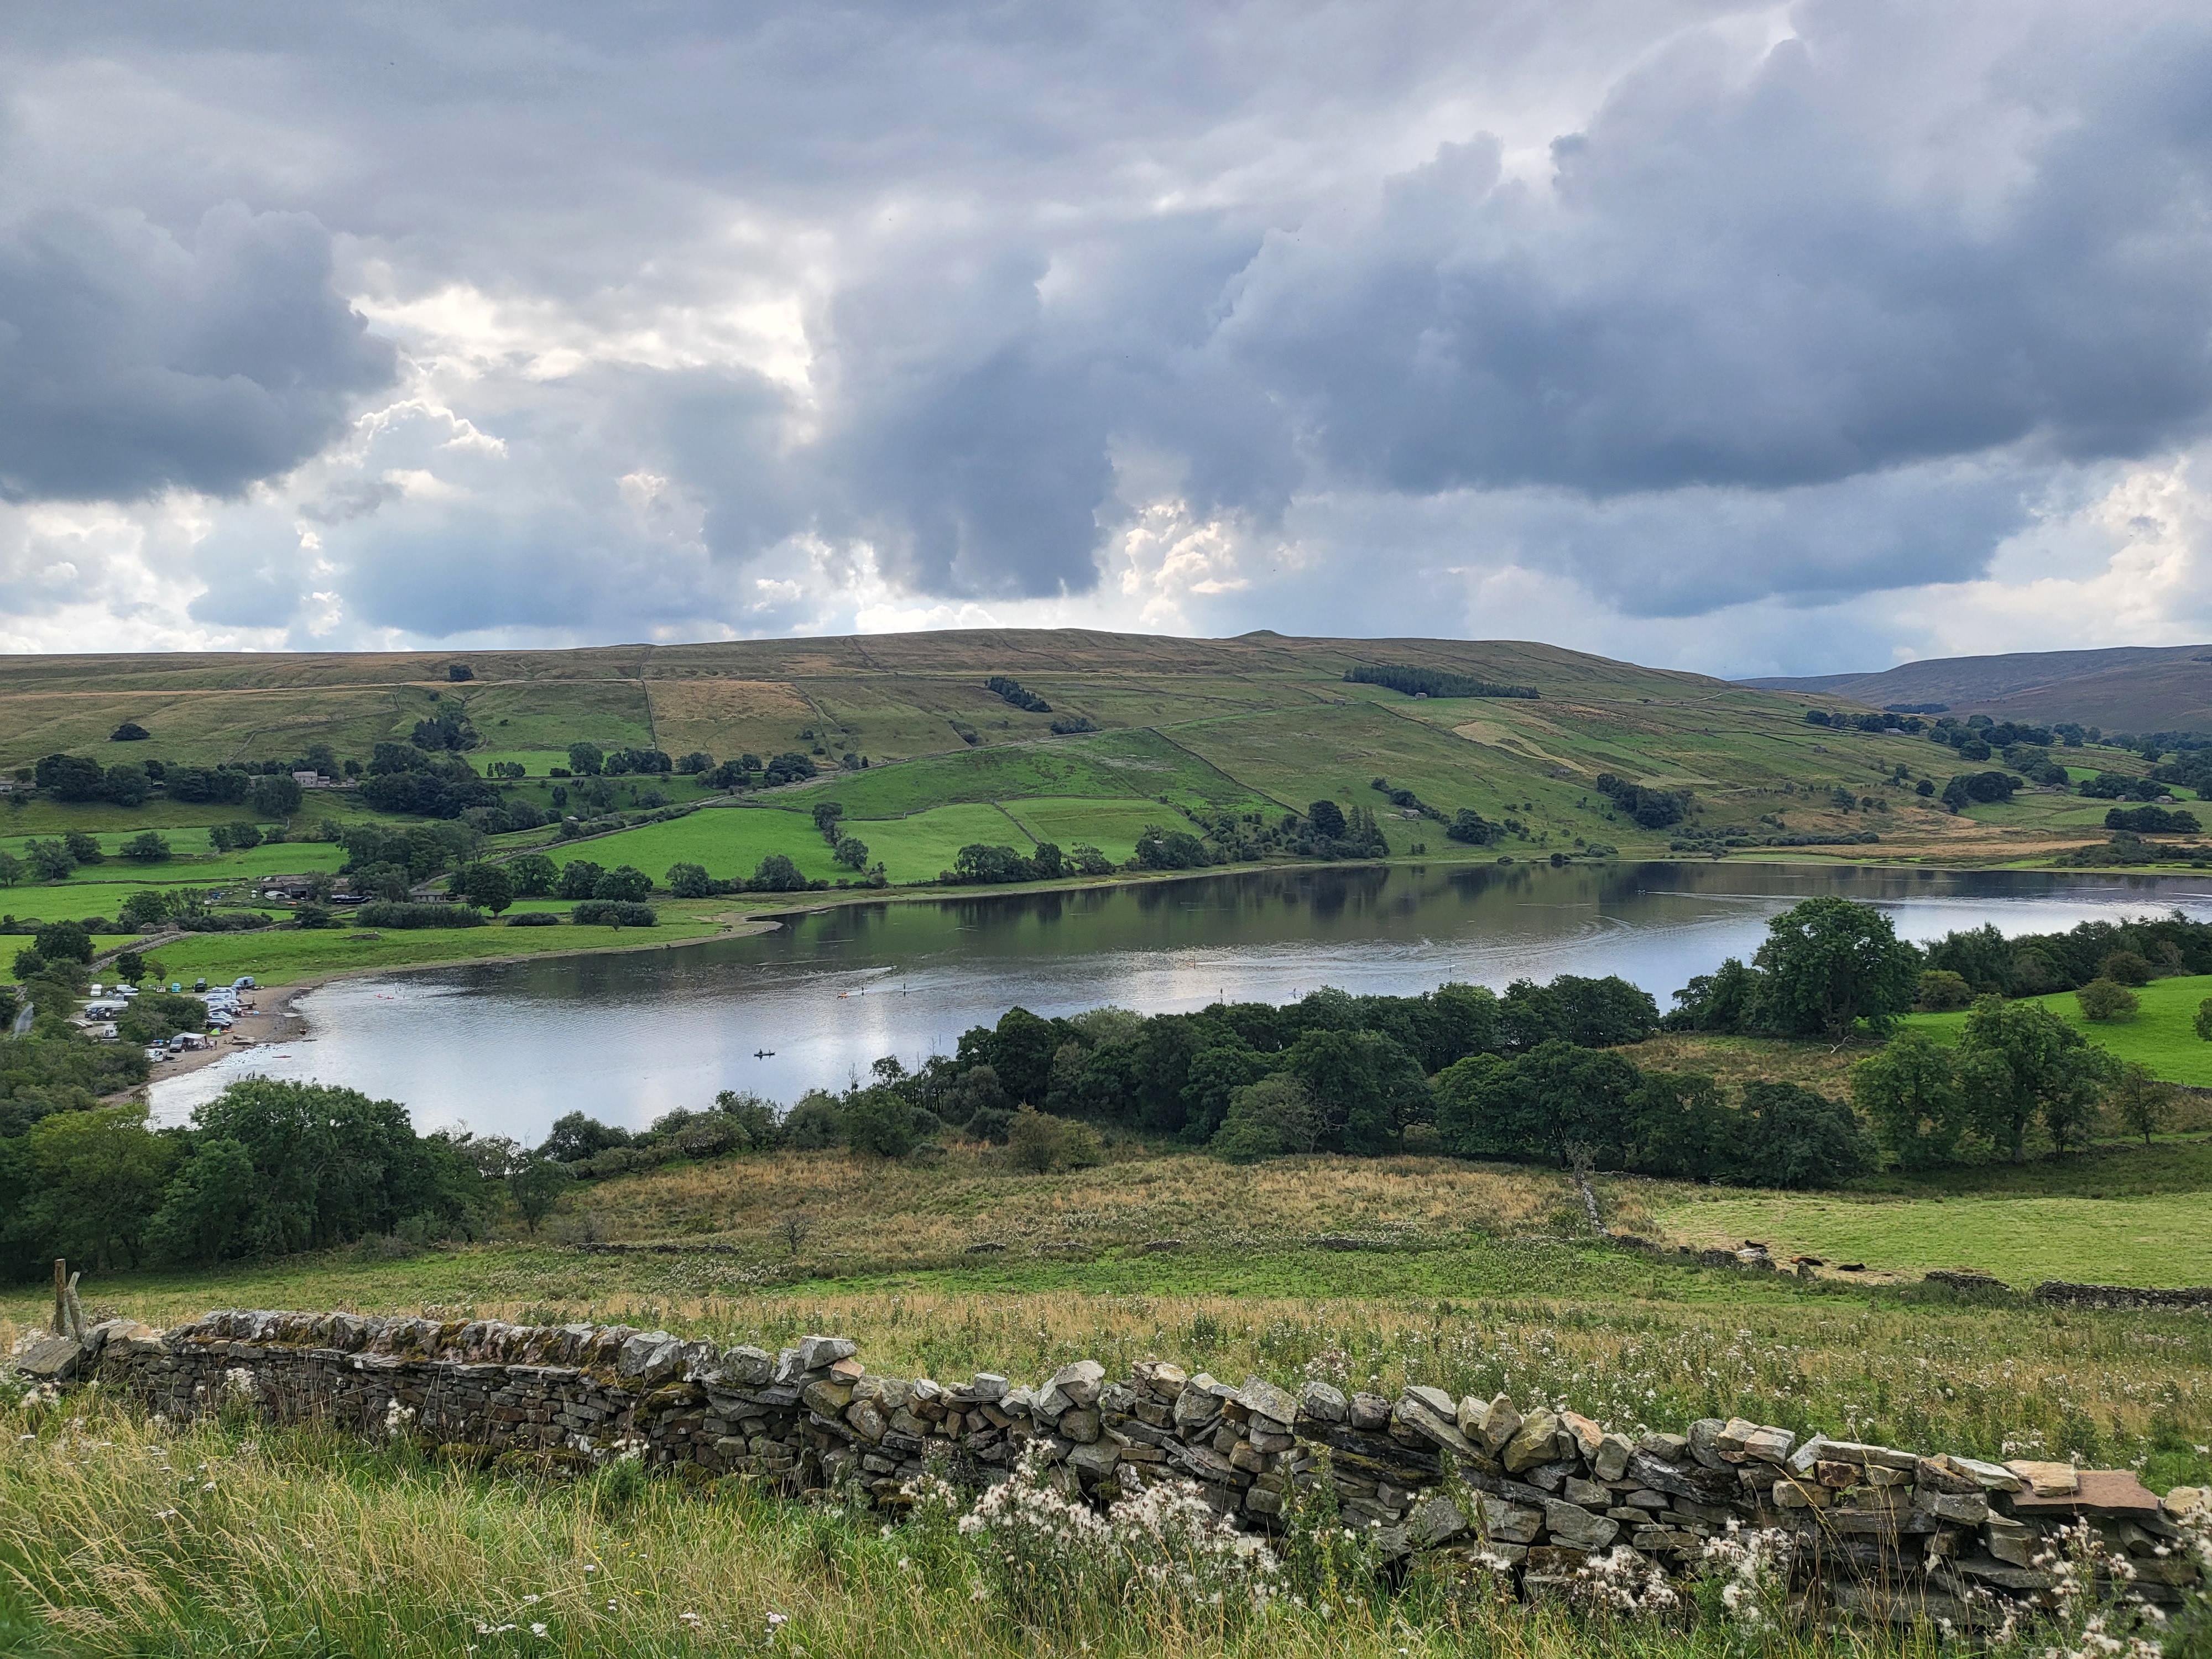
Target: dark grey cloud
{"x":1692,"y":306}
{"x":133,"y":360}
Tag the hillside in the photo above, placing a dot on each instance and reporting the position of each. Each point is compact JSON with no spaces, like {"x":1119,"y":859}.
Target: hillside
{"x":2127,"y":689}
{"x":1224,"y":739}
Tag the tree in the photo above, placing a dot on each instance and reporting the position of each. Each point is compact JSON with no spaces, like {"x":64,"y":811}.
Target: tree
{"x":96,"y":1179}
{"x":2141,"y":1100}
{"x":1942,"y":992}
{"x":1327,"y":818}
{"x":146,"y":847}
{"x":2125,"y":968}
{"x":532,"y":874}
{"x":585,"y":759}
{"x":129,"y":968}
{"x":129,"y":732}
{"x":51,"y":860}
{"x":204,"y":1209}
{"x":2019,"y":1064}
{"x":826,"y":814}
{"x":535,"y":1182}
{"x":485,"y":885}
{"x":575,"y":1137}
{"x":244,"y":836}
{"x":2105,"y":1002}
{"x":1793,"y":1137}
{"x":1910,"y":1093}
{"x":2204,"y":1020}
{"x":1270,"y":1118}
{"x":625,"y":883}
{"x":1829,"y":962}
{"x":689,"y":881}
{"x":778,"y":874}
{"x":696,"y":762}
{"x":274,"y":795}
{"x":880,"y":1121}
{"x":1365,"y":1086}
{"x":11,"y":869}
{"x":1040,"y":1143}
{"x":579,"y":878}
{"x":84,"y":848}
{"x":63,"y":941}
{"x":851,"y":852}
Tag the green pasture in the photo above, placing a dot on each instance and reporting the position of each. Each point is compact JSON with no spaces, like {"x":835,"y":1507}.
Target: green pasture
{"x":539,"y":762}
{"x":2157,"y":1241}
{"x":1108,"y":765}
{"x":2163,"y":1037}
{"x":1111,"y":826}
{"x":732,"y":840}
{"x":281,"y":958}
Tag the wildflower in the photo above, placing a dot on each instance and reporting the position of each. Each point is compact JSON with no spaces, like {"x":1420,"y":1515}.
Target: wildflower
{"x":538,"y":1630}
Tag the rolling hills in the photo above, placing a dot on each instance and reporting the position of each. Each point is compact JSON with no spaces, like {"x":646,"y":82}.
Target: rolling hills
{"x":924,"y":757}
{"x":2126,"y":689}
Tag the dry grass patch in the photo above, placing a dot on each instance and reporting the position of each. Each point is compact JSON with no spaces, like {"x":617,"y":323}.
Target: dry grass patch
{"x":883,"y":1210}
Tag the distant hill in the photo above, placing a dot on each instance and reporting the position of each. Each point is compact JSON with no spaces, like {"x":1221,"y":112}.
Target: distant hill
{"x":2126,"y":689}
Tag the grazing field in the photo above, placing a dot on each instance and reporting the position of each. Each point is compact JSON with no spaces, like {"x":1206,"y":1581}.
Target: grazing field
{"x":280,"y":957}
{"x":119,"y":1534}
{"x":2163,"y":1037}
{"x":2159,"y":1241}
{"x":731,"y":841}
{"x":1476,"y":1279}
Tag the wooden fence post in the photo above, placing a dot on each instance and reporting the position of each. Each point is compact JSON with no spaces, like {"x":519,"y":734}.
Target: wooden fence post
{"x":61,"y":1297}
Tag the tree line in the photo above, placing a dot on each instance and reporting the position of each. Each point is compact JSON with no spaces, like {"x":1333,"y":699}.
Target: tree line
{"x":268,"y":1168}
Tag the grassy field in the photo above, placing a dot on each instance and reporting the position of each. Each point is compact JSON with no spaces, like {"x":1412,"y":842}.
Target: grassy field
{"x":1475,"y":1279}
{"x":122,"y":1536}
{"x":2160,"y":1241}
{"x":731,"y":841}
{"x":1259,"y":723}
{"x":285,"y":957}
{"x":2163,"y":1037}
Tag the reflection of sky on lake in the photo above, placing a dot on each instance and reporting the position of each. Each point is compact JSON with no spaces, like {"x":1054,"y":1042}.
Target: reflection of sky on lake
{"x":506,"y":1048}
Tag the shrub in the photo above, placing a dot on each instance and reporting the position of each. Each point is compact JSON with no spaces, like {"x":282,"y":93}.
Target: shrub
{"x":390,"y":913}
{"x":146,"y":847}
{"x":816,"y":1123}
{"x":1943,"y":991}
{"x":1038,"y":1142}
{"x":1267,"y":1118}
{"x":534,"y":919}
{"x":613,"y":913}
{"x":2125,"y":968}
{"x":2105,"y":1002}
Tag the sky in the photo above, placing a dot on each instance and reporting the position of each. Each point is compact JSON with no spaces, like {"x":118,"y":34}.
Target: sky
{"x":1744,"y":339}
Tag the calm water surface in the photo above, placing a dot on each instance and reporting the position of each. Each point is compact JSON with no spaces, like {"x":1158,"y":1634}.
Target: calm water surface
{"x":507,"y":1048}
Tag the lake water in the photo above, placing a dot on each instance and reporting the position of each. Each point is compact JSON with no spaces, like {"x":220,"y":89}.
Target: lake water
{"x":507,"y":1048}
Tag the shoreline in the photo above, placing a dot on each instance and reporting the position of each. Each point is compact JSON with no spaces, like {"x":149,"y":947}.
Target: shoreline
{"x":286,"y":1022}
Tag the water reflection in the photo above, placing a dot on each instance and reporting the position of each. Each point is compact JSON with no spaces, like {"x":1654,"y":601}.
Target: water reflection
{"x":509,"y":1048}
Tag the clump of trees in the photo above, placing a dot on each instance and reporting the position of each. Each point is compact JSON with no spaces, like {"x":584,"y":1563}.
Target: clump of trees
{"x":1432,"y":682}
{"x":2017,"y":1070}
{"x":2031,"y":964}
{"x":1651,"y":809}
{"x":1826,"y":966}
{"x":1013,"y":692}
{"x":267,"y":1168}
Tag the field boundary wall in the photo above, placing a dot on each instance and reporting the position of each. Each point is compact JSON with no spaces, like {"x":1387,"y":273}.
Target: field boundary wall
{"x":1534,"y":1493}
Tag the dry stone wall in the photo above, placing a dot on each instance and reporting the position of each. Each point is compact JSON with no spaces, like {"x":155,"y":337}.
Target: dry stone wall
{"x":1533,"y":1493}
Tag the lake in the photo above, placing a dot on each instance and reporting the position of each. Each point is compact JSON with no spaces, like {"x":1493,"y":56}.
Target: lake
{"x":506,"y":1048}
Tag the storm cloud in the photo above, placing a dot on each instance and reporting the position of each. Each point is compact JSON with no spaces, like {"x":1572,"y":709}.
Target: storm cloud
{"x":1596,"y":320}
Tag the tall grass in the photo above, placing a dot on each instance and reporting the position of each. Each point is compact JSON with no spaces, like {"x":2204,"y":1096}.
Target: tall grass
{"x":122,"y":1536}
